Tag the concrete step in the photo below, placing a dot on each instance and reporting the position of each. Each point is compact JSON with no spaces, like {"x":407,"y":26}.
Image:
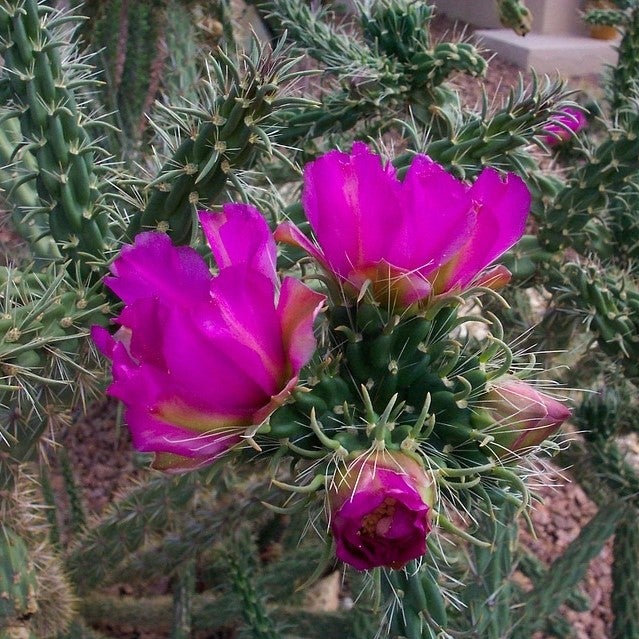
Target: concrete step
{"x":571,"y":55}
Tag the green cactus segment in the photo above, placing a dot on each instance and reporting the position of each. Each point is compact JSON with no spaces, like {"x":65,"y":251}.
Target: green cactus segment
{"x":625,"y":578}
{"x":17,"y":587}
{"x":566,"y":571}
{"x":575,"y":215}
{"x":44,"y":350}
{"x":626,"y":74}
{"x":608,"y":300}
{"x":412,"y":358}
{"x":489,"y":576}
{"x":470,"y":141}
{"x":21,"y":198}
{"x":396,"y":67}
{"x":254,"y":610}
{"x":43,"y":88}
{"x":183,"y":591}
{"x":130,"y":37}
{"x":535,"y":569}
{"x":215,"y":144}
{"x":605,"y":17}
{"x":515,"y":15}
{"x":422,"y":610}
{"x":126,"y":526}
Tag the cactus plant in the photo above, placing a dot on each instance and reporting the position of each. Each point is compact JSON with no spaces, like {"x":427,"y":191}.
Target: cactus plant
{"x":389,"y":412}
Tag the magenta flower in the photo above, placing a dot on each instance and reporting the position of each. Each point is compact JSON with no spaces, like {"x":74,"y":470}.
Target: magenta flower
{"x":518,"y":416}
{"x":564,"y":125}
{"x":429,"y":234}
{"x":380,"y":511}
{"x":198,"y":359}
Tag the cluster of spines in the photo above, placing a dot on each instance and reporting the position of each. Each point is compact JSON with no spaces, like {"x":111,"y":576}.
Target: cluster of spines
{"x":468,"y":141}
{"x":608,"y":301}
{"x":380,"y":75}
{"x":216,"y":140}
{"x":54,"y":128}
{"x":47,"y":360}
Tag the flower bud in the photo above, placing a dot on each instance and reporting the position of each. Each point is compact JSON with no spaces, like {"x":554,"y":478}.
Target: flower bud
{"x":380,"y":511}
{"x":564,"y":125}
{"x":518,"y":416}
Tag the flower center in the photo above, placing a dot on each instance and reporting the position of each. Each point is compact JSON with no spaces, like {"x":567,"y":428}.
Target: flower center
{"x":378,"y":522}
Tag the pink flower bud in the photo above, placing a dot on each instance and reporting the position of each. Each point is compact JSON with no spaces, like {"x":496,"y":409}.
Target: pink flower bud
{"x":519,"y":416}
{"x":380,"y":511}
{"x":564,"y":125}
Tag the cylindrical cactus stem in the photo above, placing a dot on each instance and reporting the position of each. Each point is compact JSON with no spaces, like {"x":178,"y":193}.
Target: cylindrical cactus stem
{"x":515,"y":15}
{"x":229,"y":135}
{"x":18,"y":602}
{"x":244,"y":584}
{"x":572,"y":217}
{"x":43,"y":90}
{"x":183,"y":591}
{"x":21,"y":199}
{"x":44,"y":349}
{"x":625,"y":577}
{"x":626,"y":73}
{"x":566,"y":571}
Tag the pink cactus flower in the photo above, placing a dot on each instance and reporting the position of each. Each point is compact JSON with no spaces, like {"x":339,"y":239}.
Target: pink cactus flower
{"x":564,"y":125}
{"x":380,"y":511}
{"x":198,"y":359}
{"x":519,"y":417}
{"x":429,"y":234}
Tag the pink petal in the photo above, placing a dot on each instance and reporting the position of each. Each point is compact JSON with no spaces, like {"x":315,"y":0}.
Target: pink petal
{"x":437,"y":216}
{"x":103,"y":340}
{"x":244,"y":304}
{"x":351,"y":203}
{"x":297,"y":309}
{"x":153,"y":267}
{"x":214,"y":372}
{"x":504,"y":205}
{"x":146,"y":320}
{"x":150,"y":434}
{"x":288,"y":233}
{"x":240,"y":235}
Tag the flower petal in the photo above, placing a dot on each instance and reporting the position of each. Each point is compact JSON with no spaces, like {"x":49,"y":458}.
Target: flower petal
{"x":297,"y":309}
{"x":501,"y":220}
{"x":288,"y":233}
{"x":103,"y":340}
{"x":150,"y":434}
{"x":244,"y":305}
{"x":436,"y":215}
{"x":350,"y":202}
{"x":214,"y":372}
{"x":153,"y":267}
{"x":240,"y":235}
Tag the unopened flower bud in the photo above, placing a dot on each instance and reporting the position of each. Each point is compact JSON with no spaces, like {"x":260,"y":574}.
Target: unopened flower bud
{"x":380,"y":511}
{"x":518,"y":416}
